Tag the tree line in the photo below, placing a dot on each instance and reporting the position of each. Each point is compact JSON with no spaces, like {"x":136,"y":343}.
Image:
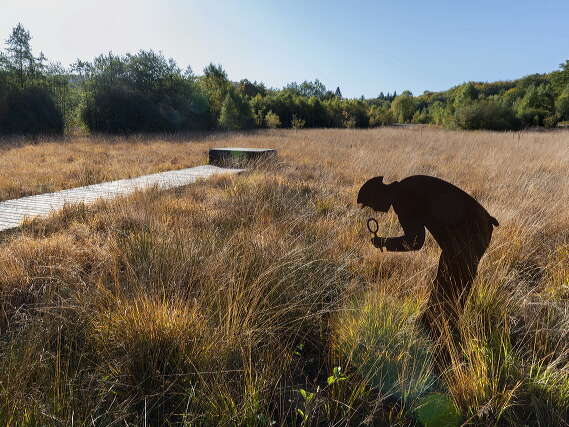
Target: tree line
{"x":147,"y":92}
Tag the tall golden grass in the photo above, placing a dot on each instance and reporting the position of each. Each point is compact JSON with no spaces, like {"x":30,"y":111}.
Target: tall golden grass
{"x":235,"y":300}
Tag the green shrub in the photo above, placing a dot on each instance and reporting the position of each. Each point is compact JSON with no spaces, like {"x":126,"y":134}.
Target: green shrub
{"x":532,"y":116}
{"x":380,"y":116}
{"x":550,"y":121}
{"x":485,"y":115}
{"x":121,"y":111}
{"x":297,"y":123}
{"x":421,"y":117}
{"x":30,"y":111}
{"x":562,"y":106}
{"x":349,"y":121}
{"x":380,"y":343}
{"x":272,"y":120}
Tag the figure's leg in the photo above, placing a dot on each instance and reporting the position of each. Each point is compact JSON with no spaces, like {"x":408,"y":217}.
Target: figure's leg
{"x":432,"y":315}
{"x":457,"y":270}
{"x":462,"y":266}
{"x":434,"y":319}
{"x":446,"y":302}
{"x":466,"y":264}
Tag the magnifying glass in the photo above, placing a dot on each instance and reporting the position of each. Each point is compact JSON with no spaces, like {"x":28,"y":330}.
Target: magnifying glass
{"x":373,"y":227}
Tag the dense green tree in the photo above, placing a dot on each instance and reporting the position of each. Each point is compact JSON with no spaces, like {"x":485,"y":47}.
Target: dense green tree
{"x":537,"y":104}
{"x":308,"y":89}
{"x":30,"y":111}
{"x":511,"y":96}
{"x":403,"y":108}
{"x":440,"y":114}
{"x":380,"y":116}
{"x":229,"y":118}
{"x":33,"y":93}
{"x":118,"y":110}
{"x":465,"y":94}
{"x":250,"y":90}
{"x":235,"y":113}
{"x":151,"y":72}
{"x":216,"y":86}
{"x":144,"y":92}
{"x":532,"y":80}
{"x":315,"y":88}
{"x":560,"y":79}
{"x":485,"y":115}
{"x":562,"y":106}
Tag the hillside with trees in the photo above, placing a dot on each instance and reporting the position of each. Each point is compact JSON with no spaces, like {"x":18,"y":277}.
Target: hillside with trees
{"x":148,"y":92}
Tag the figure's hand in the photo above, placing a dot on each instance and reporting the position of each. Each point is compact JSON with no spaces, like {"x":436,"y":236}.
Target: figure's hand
{"x":378,"y":242}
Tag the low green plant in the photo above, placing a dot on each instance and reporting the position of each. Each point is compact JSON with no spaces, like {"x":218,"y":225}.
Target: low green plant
{"x":297,"y":122}
{"x":438,"y":410}
{"x":336,"y":376}
{"x":272,"y":120}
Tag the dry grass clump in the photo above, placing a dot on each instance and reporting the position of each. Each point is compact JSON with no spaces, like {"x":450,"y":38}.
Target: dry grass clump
{"x":192,"y":309}
{"x":257,"y":298}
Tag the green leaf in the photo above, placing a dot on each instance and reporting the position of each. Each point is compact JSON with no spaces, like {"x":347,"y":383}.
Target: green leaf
{"x":438,"y":410}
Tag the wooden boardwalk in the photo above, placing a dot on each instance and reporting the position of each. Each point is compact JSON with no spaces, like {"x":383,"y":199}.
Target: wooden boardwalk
{"x":13,"y":212}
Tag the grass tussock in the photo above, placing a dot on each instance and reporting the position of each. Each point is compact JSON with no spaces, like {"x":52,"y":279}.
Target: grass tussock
{"x":257,"y":299}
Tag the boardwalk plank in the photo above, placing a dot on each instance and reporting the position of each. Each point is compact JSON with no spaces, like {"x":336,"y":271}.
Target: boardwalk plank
{"x":13,"y":212}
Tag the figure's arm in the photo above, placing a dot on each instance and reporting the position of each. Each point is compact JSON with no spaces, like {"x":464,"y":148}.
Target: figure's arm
{"x":412,"y":240}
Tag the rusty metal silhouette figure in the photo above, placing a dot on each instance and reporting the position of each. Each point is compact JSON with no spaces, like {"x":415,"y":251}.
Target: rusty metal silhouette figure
{"x":459,"y":224}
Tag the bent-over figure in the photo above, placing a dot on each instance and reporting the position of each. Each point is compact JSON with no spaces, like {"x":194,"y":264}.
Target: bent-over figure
{"x":459,"y":224}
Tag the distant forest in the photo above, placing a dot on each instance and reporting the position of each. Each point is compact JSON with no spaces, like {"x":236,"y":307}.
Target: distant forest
{"x":147,"y":92}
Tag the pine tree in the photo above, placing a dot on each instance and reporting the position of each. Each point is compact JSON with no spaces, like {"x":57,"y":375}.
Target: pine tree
{"x":338,"y":93}
{"x":229,"y":118}
{"x":21,"y":60}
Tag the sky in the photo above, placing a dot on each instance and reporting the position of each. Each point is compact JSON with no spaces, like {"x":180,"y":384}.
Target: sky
{"x":364,"y":47}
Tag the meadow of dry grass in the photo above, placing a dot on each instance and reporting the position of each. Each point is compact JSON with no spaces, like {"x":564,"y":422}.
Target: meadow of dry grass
{"x":52,"y":165}
{"x":235,"y":300}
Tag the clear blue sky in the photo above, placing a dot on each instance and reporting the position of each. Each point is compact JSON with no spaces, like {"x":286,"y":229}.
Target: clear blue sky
{"x":362,"y":46}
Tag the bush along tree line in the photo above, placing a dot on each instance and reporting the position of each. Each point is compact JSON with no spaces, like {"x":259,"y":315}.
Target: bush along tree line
{"x":147,"y":92}
{"x":33,"y":93}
